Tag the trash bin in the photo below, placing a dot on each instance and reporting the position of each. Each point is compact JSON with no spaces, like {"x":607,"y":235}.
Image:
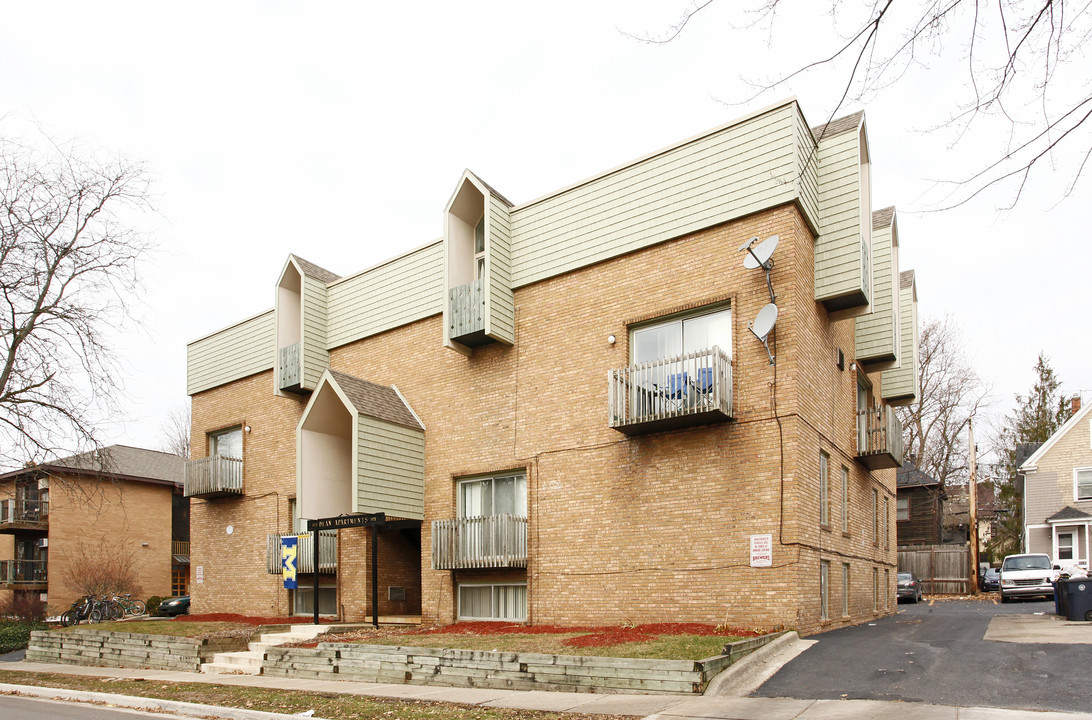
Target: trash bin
{"x":1059,"y":597}
{"x":1078,"y":598}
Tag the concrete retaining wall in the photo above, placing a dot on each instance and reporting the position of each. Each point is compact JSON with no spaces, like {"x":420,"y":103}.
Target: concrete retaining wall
{"x":99,"y":648}
{"x":503,"y":670}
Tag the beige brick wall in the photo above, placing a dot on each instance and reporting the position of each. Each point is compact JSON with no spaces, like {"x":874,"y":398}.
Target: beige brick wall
{"x":648,"y":528}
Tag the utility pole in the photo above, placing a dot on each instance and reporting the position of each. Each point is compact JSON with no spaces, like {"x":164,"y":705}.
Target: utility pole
{"x":972,"y":505}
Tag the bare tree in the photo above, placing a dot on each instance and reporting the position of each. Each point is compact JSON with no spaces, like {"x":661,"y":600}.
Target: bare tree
{"x":1021,"y":64}
{"x":69,"y":255}
{"x":935,"y":427}
{"x":101,"y":567}
{"x":176,"y":430}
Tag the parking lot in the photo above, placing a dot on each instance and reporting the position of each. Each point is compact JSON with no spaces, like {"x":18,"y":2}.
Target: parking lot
{"x":951,"y":652}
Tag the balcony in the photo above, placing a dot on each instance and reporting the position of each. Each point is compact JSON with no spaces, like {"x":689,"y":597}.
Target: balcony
{"x":20,"y":514}
{"x":682,"y":391}
{"x":466,"y":314}
{"x":879,"y":438}
{"x":23,"y":574}
{"x":305,"y":553}
{"x":289,"y":375}
{"x":214,"y":477}
{"x":493,"y":541}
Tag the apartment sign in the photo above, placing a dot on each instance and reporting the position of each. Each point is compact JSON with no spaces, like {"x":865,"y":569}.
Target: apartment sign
{"x":347,"y":521}
{"x":199,"y":574}
{"x":762,"y":550}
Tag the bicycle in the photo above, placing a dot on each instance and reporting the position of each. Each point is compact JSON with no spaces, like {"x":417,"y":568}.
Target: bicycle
{"x":129,"y":605}
{"x":81,"y":609}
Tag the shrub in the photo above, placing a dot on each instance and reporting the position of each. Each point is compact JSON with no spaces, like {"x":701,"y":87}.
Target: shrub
{"x":152,"y":606}
{"x":15,"y":635}
{"x":24,"y":608}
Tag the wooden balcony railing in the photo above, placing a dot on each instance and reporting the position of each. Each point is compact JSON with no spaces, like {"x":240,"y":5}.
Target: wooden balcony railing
{"x":288,"y":367}
{"x":493,"y":541}
{"x":20,"y":513}
{"x":214,"y":476}
{"x":879,"y":438}
{"x":305,"y":552}
{"x":23,"y":572}
{"x":466,"y":313}
{"x":180,"y":547}
{"x":685,"y":390}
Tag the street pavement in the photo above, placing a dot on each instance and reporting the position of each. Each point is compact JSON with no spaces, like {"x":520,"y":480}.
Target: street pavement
{"x":727,"y":698}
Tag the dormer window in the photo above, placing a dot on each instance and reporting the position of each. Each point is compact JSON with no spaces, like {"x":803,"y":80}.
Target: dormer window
{"x":479,"y":249}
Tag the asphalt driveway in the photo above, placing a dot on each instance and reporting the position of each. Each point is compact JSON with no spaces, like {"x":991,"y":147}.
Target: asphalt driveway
{"x":939,"y":653}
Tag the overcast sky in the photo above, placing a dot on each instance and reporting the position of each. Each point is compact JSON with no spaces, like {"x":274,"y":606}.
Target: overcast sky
{"x":338,"y":130}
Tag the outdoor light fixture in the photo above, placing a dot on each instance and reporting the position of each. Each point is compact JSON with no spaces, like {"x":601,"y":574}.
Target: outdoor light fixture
{"x":611,"y":339}
{"x":246,"y":427}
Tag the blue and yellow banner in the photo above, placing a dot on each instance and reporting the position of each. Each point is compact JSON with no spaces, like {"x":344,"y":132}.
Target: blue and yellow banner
{"x":289,"y":553}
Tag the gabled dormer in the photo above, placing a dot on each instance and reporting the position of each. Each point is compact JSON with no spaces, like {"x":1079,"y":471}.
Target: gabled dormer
{"x":478,"y":303}
{"x":301,"y":326}
{"x":902,"y":385}
{"x":877,"y":334}
{"x":843,"y":251}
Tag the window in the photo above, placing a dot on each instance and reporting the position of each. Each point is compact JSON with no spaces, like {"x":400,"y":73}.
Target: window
{"x":824,"y":489}
{"x":1082,"y":478}
{"x":845,"y":499}
{"x":180,"y":575}
{"x":902,"y":509}
{"x":499,"y":495}
{"x":479,"y":249}
{"x":1065,"y":546}
{"x":303,"y":600}
{"x":228,"y":443}
{"x":886,"y":521}
{"x":875,"y":516}
{"x":845,"y":589}
{"x":875,"y":589}
{"x":824,"y":589}
{"x":493,"y":602}
{"x":683,"y":335}
{"x":886,"y":588}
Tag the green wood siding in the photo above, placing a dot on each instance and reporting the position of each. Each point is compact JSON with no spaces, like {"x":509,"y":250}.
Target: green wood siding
{"x":733,"y":171}
{"x":902,"y":385}
{"x":404,"y":290}
{"x":390,"y":469}
{"x":877,"y":336}
{"x":500,"y":306}
{"x":838,"y":249}
{"x":236,"y":352}
{"x":315,"y":357}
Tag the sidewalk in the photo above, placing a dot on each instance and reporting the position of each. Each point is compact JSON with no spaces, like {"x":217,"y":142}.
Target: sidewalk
{"x":653,"y":707}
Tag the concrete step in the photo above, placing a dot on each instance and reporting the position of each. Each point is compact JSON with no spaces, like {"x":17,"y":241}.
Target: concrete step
{"x":215,"y":668}
{"x":249,"y":662}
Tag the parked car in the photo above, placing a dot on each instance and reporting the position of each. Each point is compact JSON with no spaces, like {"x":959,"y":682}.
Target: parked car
{"x":1027,"y":575}
{"x":175,"y":606}
{"x":991,"y":579}
{"x":909,"y":587}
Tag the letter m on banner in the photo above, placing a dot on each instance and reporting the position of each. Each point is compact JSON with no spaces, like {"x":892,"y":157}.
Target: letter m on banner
{"x":289,"y":553}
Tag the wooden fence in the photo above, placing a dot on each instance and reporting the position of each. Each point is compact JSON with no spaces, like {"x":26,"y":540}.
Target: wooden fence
{"x":943,"y":569}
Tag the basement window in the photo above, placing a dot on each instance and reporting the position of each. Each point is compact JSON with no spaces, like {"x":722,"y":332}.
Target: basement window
{"x":493,"y":602}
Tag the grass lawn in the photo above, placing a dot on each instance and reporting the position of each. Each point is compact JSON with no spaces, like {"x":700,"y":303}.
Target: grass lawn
{"x":172,"y":628}
{"x":328,"y":705}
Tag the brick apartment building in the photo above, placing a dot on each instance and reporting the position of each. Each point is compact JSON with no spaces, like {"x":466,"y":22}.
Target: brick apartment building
{"x":563,"y":411}
{"x":122,"y":504}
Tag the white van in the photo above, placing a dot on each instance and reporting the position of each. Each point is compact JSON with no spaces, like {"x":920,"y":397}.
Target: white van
{"x":1026,"y":575}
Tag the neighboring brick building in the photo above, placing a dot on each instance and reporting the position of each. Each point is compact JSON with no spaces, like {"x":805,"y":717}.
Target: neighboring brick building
{"x":1058,"y":492}
{"x":563,"y":410}
{"x":121,"y":500}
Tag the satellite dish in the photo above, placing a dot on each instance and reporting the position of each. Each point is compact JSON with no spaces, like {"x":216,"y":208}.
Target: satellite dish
{"x":763,"y":325}
{"x":760,"y":256}
{"x":747,"y":245}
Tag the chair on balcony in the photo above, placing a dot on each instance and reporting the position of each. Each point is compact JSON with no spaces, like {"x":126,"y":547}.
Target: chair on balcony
{"x":673,"y":392}
{"x":703,"y":385}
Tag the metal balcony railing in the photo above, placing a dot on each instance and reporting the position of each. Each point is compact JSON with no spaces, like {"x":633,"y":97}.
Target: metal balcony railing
{"x":879,"y":437}
{"x":288,"y":367}
{"x":690,"y":389}
{"x":466,"y":310}
{"x":23,"y":512}
{"x":214,"y":476}
{"x":305,"y":552}
{"x":23,"y":572}
{"x":492,"y":541}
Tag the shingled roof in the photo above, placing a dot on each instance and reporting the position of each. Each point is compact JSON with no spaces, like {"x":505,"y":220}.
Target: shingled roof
{"x":381,"y":402}
{"x":910,"y":476}
{"x":906,"y":279}
{"x":116,"y":462}
{"x":1069,"y":513}
{"x":839,"y":126}
{"x":312,"y":270}
{"x":882,"y":218}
